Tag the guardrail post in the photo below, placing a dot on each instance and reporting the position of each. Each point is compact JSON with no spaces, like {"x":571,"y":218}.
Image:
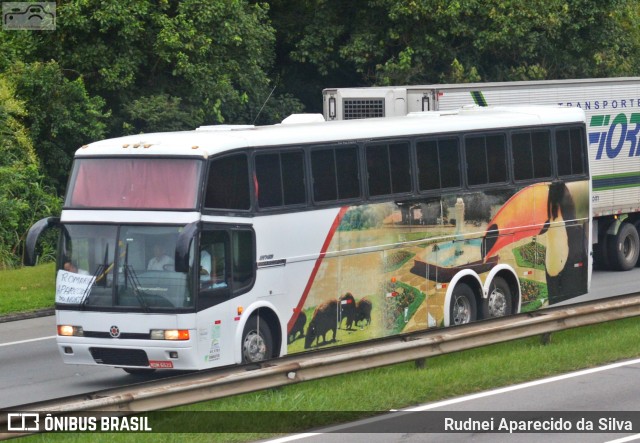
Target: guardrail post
{"x":545,"y":338}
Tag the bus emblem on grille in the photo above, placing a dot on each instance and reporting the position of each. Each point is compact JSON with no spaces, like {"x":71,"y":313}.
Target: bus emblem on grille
{"x":114,"y":331}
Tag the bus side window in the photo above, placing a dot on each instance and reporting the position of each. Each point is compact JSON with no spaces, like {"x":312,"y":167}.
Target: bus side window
{"x":228,"y":183}
{"x":570,"y":151}
{"x":438,"y":161}
{"x":213,"y":260}
{"x":335,"y":173}
{"x":486,"y":159}
{"x":388,"y":168}
{"x":280,"y":179}
{"x":226,"y":264}
{"x":531,"y":155}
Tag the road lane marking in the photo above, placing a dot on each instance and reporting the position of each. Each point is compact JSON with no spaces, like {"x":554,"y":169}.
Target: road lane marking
{"x":521,"y":386}
{"x":471,"y":397}
{"x":625,"y":439}
{"x":26,"y":341}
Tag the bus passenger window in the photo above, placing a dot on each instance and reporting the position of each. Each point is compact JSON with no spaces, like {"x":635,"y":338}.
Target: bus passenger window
{"x":388,"y":169}
{"x":541,"y":143}
{"x":438,"y":164}
{"x":531,"y":155}
{"x":476,"y":161}
{"x":570,"y":151}
{"x":486,"y":159}
{"x":280,"y":179}
{"x":228,"y":183}
{"x":335,"y":173}
{"x":497,"y":158}
{"x":213,"y":253}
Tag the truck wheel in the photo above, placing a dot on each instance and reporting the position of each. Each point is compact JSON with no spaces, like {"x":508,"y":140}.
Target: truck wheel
{"x":624,"y":248}
{"x":637,"y":226}
{"x":257,"y":344}
{"x":498,"y":302}
{"x":463,"y":305}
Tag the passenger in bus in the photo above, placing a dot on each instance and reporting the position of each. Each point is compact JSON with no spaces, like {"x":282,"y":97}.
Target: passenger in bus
{"x":160,"y":260}
{"x":69,"y":266}
{"x":211,"y":274}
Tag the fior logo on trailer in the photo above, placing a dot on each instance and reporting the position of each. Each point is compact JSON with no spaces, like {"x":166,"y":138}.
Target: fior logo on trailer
{"x":615,"y":134}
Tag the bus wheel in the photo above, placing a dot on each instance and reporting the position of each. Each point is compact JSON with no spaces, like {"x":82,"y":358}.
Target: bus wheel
{"x":498,"y":302}
{"x":624,"y":248}
{"x":257,"y":344}
{"x":138,"y":371}
{"x":463,"y":305}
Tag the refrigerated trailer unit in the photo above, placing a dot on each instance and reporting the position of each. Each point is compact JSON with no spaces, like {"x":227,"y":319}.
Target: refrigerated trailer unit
{"x":612,"y":107}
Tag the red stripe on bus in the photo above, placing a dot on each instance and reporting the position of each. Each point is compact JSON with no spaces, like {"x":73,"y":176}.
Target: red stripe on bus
{"x":323,"y":252}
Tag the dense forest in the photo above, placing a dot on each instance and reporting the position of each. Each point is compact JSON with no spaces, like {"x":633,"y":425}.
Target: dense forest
{"x":115,"y":68}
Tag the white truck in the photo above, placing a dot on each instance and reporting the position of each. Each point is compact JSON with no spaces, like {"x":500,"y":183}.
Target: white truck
{"x":612,"y":107}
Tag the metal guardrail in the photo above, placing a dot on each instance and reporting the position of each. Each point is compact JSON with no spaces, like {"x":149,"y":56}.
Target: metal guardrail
{"x":209,"y":385}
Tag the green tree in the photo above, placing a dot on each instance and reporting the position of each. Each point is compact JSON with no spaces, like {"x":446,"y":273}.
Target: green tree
{"x":187,"y":63}
{"x":61,"y":115}
{"x":23,"y":197}
{"x":429,"y":41}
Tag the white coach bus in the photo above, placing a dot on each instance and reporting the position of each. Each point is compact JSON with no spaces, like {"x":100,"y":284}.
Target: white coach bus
{"x":232,"y":244}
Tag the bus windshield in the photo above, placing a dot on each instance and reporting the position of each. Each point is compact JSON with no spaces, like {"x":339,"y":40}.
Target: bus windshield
{"x":107,"y":266}
{"x":134,"y":183}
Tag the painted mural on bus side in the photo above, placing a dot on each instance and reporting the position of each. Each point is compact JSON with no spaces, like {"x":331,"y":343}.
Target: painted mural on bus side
{"x":392,"y":268}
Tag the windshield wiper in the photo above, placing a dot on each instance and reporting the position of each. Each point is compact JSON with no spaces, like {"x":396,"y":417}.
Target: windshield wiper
{"x":131,"y":276}
{"x":100,"y":274}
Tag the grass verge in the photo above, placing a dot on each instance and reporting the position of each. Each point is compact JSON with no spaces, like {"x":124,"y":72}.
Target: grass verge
{"x":27,"y":288}
{"x":404,"y":385}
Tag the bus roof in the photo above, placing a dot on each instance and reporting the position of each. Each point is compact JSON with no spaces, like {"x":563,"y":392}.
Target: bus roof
{"x":211,"y":140}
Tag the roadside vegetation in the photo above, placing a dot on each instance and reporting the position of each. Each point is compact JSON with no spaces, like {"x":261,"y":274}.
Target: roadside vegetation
{"x":27,"y":289}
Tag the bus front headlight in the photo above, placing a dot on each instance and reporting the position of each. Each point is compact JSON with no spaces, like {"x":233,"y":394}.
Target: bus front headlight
{"x":169,"y":334}
{"x":70,"y":331}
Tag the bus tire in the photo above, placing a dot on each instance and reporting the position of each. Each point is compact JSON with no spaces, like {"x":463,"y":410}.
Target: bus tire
{"x":498,"y":302}
{"x":257,"y":343}
{"x":462,"y":308}
{"x":624,"y":248}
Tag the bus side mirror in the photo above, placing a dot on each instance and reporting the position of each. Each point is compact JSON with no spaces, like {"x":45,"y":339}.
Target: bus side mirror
{"x":34,"y":234}
{"x":182,"y":246}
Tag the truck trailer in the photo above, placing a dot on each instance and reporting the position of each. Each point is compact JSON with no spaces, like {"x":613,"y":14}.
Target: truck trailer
{"x":612,"y":108}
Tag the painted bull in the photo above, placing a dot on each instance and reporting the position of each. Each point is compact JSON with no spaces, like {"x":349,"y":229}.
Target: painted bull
{"x":298,"y":328}
{"x":363,"y":311}
{"x":325,"y":319}
{"x":347,"y":309}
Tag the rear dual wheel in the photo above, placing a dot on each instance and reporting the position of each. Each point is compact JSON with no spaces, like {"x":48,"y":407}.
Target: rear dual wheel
{"x":498,"y":302}
{"x":463,"y":305}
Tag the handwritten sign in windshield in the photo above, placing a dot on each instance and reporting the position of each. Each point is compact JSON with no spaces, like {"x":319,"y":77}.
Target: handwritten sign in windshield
{"x":71,"y":287}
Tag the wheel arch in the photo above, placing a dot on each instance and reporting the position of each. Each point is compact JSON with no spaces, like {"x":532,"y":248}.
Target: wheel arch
{"x":508,"y":274}
{"x":269,"y":313}
{"x":471,"y":279}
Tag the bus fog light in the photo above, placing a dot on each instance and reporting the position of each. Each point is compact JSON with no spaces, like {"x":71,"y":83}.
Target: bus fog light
{"x":173,"y":354}
{"x":68,"y":350}
{"x":70,"y":331}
